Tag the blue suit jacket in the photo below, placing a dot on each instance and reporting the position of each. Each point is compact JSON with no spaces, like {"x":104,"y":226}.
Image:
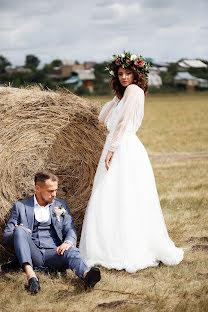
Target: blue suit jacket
{"x":23,"y":212}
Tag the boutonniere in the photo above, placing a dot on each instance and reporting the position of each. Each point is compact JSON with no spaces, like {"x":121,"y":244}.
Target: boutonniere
{"x":59,"y":211}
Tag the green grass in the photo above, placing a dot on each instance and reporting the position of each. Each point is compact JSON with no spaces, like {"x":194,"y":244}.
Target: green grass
{"x":173,"y":124}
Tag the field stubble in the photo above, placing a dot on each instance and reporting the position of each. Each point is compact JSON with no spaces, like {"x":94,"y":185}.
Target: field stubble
{"x":175,"y":124}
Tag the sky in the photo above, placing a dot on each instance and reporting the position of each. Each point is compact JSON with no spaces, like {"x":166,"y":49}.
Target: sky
{"x":94,"y":30}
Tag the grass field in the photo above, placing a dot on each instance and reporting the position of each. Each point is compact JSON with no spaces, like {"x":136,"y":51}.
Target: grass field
{"x":174,"y":125}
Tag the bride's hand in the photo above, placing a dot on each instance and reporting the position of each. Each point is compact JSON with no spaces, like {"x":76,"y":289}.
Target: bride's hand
{"x":108,"y":159}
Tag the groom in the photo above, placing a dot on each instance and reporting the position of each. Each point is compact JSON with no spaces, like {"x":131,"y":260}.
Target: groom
{"x":42,"y":231}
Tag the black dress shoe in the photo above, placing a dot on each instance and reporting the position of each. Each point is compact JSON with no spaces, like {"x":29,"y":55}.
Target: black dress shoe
{"x":92,"y":277}
{"x":12,"y":265}
{"x":33,"y":285}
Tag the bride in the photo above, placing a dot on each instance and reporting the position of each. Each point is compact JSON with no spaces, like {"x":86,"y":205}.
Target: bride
{"x":124,"y":226}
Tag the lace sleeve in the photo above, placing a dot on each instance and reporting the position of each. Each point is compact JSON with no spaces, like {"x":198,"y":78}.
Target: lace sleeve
{"x":106,"y":110}
{"x":131,"y":115}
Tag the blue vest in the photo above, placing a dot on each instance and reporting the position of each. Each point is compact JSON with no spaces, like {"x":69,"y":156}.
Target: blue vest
{"x":44,"y":235}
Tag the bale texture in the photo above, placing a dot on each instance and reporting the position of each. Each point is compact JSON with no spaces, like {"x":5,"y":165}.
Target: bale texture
{"x":48,"y":130}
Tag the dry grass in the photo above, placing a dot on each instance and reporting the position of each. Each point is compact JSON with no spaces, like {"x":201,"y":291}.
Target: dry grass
{"x":175,"y":123}
{"x":182,"y":186}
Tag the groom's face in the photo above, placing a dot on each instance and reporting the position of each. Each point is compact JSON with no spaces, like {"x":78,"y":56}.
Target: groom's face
{"x":46,"y":192}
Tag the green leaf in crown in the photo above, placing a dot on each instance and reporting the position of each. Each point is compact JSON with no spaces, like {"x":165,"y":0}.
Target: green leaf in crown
{"x":125,"y":60}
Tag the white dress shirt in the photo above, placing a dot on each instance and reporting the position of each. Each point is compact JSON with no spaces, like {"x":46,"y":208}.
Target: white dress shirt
{"x":42,"y":213}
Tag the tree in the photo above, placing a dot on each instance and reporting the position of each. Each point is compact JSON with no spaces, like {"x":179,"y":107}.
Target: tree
{"x":173,"y":68}
{"x":56,"y":63}
{"x":32,"y":61}
{"x":100,"y":72}
{"x":199,"y":72}
{"x":3,"y":64}
{"x":168,"y":77}
{"x":101,"y":84}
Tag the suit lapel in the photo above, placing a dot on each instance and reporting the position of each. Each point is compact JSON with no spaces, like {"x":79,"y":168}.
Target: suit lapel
{"x":54,"y":219}
{"x":53,"y":216}
{"x":29,"y":210}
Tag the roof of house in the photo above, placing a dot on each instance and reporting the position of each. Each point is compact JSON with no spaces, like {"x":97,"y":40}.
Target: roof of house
{"x":192,"y":63}
{"x":184,"y":76}
{"x":187,"y":76}
{"x":85,"y":74}
{"x":68,"y":62}
{"x":160,"y":64}
{"x":89,"y":64}
{"x":19,"y":69}
{"x":72,"y":80}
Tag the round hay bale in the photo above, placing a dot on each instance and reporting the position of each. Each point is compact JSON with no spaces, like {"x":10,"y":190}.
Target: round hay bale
{"x":48,"y":130}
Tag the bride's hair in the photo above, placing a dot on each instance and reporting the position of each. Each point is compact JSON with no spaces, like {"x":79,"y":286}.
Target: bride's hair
{"x":139,"y":79}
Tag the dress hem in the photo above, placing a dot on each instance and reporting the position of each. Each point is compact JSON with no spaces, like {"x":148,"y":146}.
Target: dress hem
{"x":128,"y":269}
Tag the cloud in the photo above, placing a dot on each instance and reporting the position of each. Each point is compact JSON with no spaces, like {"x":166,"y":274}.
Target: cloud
{"x":94,"y":30}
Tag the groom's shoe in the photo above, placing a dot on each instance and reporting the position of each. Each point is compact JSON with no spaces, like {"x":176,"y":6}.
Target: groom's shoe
{"x":92,"y":277}
{"x":33,"y":285}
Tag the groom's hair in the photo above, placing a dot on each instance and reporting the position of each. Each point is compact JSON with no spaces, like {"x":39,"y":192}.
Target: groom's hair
{"x":44,"y":175}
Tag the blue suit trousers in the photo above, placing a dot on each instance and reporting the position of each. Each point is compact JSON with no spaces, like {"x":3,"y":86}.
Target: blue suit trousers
{"x":27,"y":252}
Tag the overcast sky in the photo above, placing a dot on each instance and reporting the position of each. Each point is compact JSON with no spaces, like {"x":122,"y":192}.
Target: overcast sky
{"x":93,"y":30}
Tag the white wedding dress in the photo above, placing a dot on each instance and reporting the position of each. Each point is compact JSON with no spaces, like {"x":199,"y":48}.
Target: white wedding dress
{"x":123,"y":226}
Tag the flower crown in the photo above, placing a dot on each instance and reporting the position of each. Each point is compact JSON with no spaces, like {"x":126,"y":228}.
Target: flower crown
{"x":127,"y":59}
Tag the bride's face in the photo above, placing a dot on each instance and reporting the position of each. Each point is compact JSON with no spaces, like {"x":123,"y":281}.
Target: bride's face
{"x":125,"y":76}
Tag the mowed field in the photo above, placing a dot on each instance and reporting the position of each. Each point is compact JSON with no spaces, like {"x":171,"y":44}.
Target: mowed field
{"x":175,"y":134}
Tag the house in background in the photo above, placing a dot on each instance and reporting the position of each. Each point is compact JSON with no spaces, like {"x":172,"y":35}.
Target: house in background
{"x":154,"y":79}
{"x":159,"y":66}
{"x":81,"y":77}
{"x":74,"y":81}
{"x":189,"y":81}
{"x":18,"y":69}
{"x":89,"y":65}
{"x":68,"y":66}
{"x":75,"y":75}
{"x":185,"y":64}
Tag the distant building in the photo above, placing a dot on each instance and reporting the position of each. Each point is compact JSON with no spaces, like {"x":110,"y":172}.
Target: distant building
{"x":17,"y":69}
{"x":68,"y":66}
{"x":74,"y":80}
{"x":159,"y":66}
{"x":184,"y":64}
{"x":154,"y":80}
{"x":81,"y":77}
{"x":89,"y":65}
{"x":189,"y":81}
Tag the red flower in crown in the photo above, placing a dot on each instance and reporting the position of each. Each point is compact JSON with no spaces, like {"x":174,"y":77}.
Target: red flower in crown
{"x":128,"y":62}
{"x":137,"y":63}
{"x":127,"y":59}
{"x":117,"y":62}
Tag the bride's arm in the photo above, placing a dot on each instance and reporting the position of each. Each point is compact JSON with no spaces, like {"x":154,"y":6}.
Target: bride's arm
{"x":132,"y":112}
{"x":106,"y":110}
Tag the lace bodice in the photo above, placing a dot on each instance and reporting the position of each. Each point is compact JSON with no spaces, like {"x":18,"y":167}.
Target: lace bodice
{"x":123,"y":116}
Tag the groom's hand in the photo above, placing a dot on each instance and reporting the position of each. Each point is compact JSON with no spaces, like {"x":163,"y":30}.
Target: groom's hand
{"x":60,"y":249}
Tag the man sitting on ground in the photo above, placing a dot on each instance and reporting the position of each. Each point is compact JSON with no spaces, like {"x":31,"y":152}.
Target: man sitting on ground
{"x":42,"y":231}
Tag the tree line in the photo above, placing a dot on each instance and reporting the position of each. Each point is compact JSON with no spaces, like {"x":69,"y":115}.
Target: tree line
{"x":31,"y":74}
